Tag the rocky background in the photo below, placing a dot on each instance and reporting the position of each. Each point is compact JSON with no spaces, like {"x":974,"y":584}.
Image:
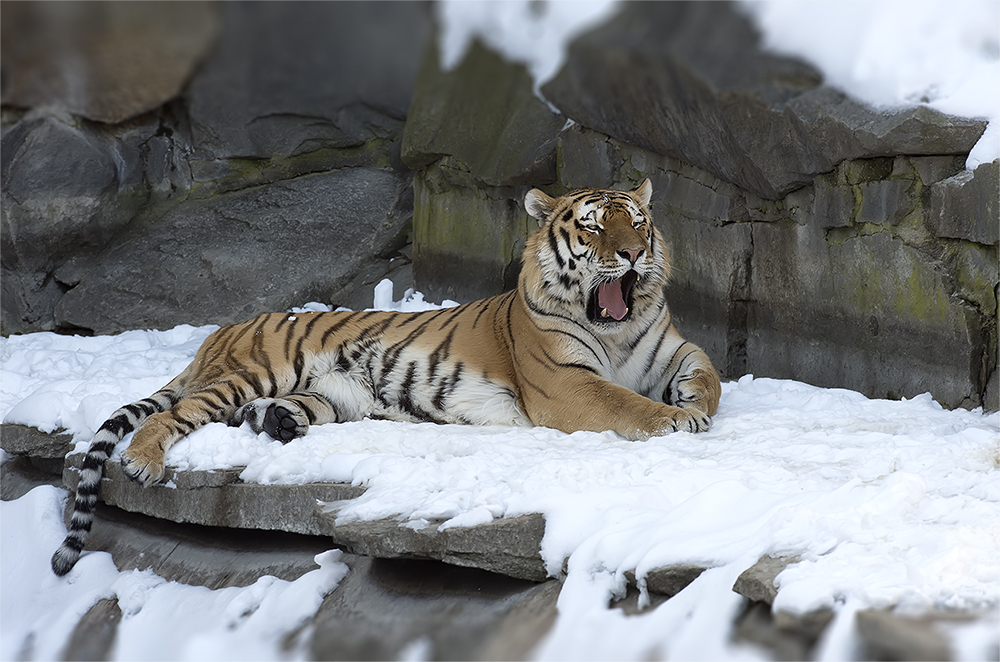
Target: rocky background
{"x":200,"y":163}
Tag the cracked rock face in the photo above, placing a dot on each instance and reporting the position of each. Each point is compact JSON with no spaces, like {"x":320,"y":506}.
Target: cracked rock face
{"x":229,"y":257}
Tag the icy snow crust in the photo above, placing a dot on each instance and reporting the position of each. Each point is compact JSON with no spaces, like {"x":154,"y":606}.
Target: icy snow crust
{"x":887,"y":503}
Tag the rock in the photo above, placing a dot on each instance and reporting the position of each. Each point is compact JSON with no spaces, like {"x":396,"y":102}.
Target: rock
{"x":19,"y":439}
{"x":991,"y":401}
{"x":94,"y":634}
{"x":699,"y":87}
{"x":104,"y":62}
{"x":290,"y":79}
{"x":485,"y":114}
{"x":213,"y":557}
{"x":887,"y":636}
{"x":19,"y":475}
{"x":467,"y":241}
{"x":385,"y":607}
{"x":66,"y":193}
{"x":509,"y":546}
{"x":756,"y":583}
{"x":756,"y":625}
{"x":668,"y":581}
{"x":227,"y":258}
{"x":864,"y":311}
{"x":965,"y":206}
{"x":382,"y":605}
{"x":217,"y":499}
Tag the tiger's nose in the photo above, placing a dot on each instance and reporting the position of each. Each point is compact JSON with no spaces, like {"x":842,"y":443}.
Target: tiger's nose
{"x":631,"y":254}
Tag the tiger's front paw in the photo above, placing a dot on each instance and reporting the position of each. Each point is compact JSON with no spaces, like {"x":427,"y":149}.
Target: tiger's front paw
{"x":687,"y":419}
{"x":141,"y":467}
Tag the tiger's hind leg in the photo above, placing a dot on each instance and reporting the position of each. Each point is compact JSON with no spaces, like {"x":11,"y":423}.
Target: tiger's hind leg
{"x":286,"y":418}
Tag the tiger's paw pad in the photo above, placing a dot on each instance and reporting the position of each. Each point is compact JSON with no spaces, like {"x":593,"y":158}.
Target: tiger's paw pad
{"x":280,"y":419}
{"x":284,"y":424}
{"x":142,"y":470}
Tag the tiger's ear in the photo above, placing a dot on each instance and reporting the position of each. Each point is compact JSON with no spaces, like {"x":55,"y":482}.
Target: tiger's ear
{"x":643,"y":192}
{"x":539,"y":205}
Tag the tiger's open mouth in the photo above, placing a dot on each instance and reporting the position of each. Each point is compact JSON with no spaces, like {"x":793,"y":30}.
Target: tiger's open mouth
{"x":611,"y":302}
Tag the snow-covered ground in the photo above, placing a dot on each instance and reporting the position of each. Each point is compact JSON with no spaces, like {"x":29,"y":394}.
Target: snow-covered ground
{"x":887,"y":503}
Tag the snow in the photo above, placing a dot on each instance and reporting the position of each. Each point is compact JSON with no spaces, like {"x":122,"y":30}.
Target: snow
{"x":885,"y":502}
{"x":944,"y":54}
{"x":38,"y":611}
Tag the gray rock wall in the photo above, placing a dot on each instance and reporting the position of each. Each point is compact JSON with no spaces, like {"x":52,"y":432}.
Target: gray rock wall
{"x":264,"y":173}
{"x":296,"y":147}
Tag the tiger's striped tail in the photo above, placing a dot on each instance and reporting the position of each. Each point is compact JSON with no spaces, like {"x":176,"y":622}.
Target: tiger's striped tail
{"x":113,"y":430}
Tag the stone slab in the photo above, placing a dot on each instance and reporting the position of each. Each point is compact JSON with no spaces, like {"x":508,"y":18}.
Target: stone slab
{"x":508,"y":546}
{"x":385,"y":605}
{"x":218,"y":499}
{"x":19,"y":439}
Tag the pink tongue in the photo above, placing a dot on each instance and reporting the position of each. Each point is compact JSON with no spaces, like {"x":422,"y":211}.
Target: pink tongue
{"x":609,"y":296}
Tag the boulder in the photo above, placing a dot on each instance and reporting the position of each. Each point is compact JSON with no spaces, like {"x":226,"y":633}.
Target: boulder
{"x":287,"y":79}
{"x":690,"y":80}
{"x":67,"y":192}
{"x":227,"y":258}
{"x":83,"y":201}
{"x":105,"y":62}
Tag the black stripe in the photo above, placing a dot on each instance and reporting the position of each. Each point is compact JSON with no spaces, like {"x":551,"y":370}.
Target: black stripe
{"x":447,"y":386}
{"x":554,"y":245}
{"x":670,"y":384}
{"x":485,"y":303}
{"x":116,"y":426}
{"x":348,"y":317}
{"x":534,"y":308}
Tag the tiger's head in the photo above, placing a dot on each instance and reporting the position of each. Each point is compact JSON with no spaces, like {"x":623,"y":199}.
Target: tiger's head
{"x":597,"y":256}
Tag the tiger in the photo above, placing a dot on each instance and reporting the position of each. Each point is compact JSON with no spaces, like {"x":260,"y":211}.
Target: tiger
{"x":584,"y":342}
